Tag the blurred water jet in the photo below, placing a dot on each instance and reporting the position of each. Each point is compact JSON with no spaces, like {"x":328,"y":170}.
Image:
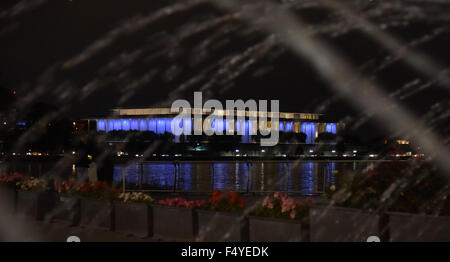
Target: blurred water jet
{"x":339,"y":73}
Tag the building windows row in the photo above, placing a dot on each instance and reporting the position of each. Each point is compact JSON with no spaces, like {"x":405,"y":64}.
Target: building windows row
{"x":162,"y":125}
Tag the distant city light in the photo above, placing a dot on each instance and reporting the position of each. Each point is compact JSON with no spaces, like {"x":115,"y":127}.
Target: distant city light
{"x":355,"y":151}
{"x":237,"y":150}
{"x":333,"y":151}
{"x":310,"y":151}
{"x":263,"y":151}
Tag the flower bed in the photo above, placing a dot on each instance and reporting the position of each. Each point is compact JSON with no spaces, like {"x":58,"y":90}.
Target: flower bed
{"x":133,"y":214}
{"x":418,"y":228}
{"x":221,"y":219}
{"x":8,"y":193}
{"x":67,"y":208}
{"x":175,"y":219}
{"x":280,"y":219}
{"x":96,"y":207}
{"x":410,"y":187}
{"x":33,"y":198}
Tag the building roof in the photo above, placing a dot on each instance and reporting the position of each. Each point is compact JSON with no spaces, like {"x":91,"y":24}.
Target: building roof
{"x":167,"y":111}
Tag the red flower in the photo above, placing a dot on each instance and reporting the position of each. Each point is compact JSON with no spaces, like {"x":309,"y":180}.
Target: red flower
{"x":216,"y":196}
{"x":234,"y":198}
{"x":97,"y":185}
{"x":181,"y":202}
{"x":15,"y":177}
{"x":226,"y":200}
{"x":242,"y":202}
{"x":85,"y":187}
{"x":216,"y":193}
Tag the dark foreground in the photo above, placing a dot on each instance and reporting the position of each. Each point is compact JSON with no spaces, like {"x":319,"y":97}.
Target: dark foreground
{"x":40,"y":231}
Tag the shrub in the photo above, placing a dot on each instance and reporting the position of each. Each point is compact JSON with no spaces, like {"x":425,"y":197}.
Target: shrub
{"x":413,"y":187}
{"x":66,"y":188}
{"x":33,"y":184}
{"x":181,"y":202}
{"x":136,"y":197}
{"x":225,"y":201}
{"x":282,"y":206}
{"x":98,"y":190}
{"x":11,"y":180}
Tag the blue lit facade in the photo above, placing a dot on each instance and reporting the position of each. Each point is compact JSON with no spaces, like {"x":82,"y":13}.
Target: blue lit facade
{"x":161,"y":122}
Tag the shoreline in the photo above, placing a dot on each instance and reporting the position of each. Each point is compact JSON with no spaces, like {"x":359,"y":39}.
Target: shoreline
{"x":119,"y":160}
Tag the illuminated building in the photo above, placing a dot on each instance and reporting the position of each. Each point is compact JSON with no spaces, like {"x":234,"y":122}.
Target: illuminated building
{"x":159,"y":121}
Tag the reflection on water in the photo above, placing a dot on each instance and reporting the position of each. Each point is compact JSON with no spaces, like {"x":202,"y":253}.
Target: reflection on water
{"x":256,"y":176}
{"x":308,"y":177}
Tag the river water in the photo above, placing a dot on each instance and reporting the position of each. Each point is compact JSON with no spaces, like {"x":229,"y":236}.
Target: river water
{"x":306,"y":177}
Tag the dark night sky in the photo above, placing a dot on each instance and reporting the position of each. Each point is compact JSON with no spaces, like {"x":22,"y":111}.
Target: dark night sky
{"x":57,"y":31}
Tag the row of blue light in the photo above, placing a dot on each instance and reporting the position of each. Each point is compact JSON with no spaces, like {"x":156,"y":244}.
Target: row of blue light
{"x":310,"y":130}
{"x":156,"y":125}
{"x":162,"y":125}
